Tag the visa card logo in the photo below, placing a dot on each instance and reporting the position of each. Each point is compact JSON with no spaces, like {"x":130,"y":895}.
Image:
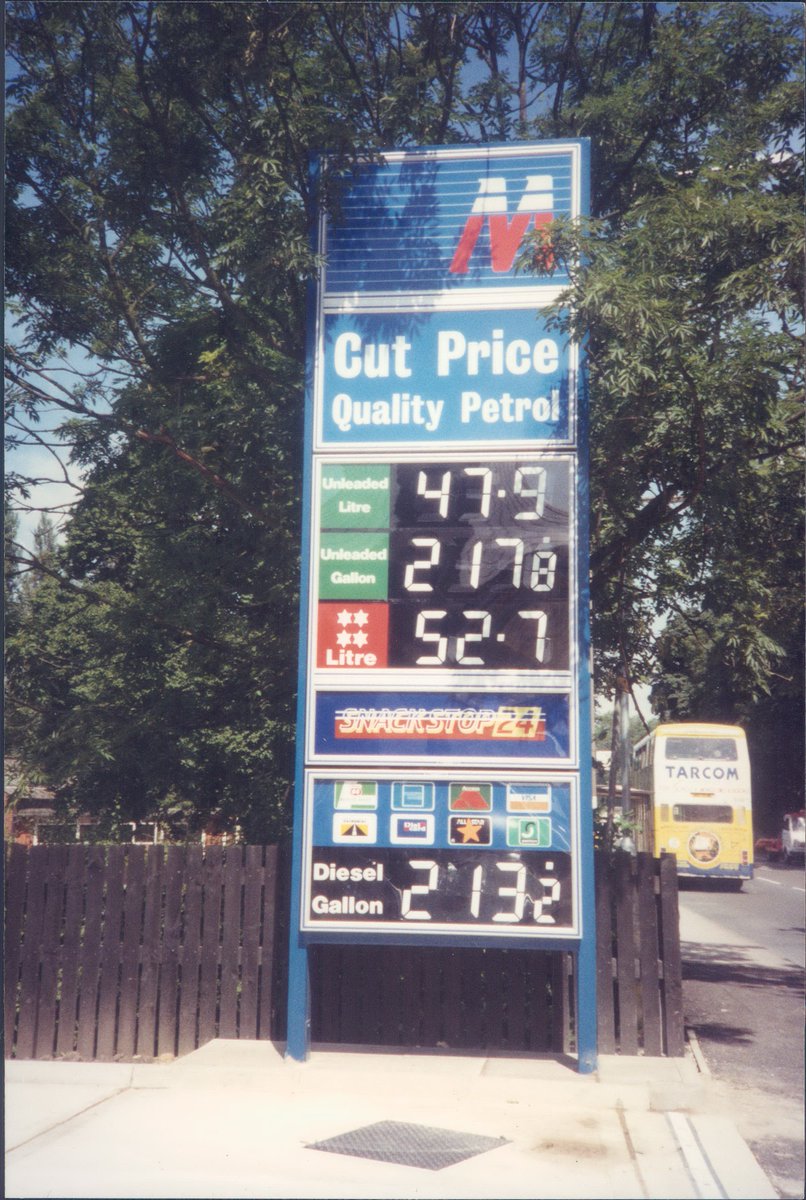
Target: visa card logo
{"x":529,"y":798}
{"x":536,"y":206}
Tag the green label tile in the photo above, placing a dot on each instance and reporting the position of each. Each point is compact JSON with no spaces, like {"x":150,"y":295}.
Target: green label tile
{"x":353,"y":566}
{"x":354,"y":496}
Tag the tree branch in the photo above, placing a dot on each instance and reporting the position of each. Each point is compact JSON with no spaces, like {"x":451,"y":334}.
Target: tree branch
{"x":137,"y":432}
{"x":31,"y":562}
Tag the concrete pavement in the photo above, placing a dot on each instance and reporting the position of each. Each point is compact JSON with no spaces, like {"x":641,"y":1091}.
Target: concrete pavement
{"x":235,"y":1119}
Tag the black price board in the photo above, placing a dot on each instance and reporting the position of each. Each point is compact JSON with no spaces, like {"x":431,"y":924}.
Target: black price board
{"x":456,"y":565}
{"x":503,"y":891}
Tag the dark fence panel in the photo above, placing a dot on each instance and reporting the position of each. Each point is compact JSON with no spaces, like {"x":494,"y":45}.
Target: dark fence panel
{"x":461,"y":998}
{"x":16,"y":873}
{"x":126,"y":952}
{"x":90,"y":953}
{"x":672,"y":965}
{"x":639,"y":979}
{"x":519,"y":999}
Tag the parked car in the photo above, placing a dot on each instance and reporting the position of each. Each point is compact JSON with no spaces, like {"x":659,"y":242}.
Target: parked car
{"x":793,"y":836}
{"x":790,"y":843}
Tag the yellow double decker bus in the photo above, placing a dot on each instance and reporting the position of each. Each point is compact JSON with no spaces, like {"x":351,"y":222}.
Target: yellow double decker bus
{"x":695,"y":780}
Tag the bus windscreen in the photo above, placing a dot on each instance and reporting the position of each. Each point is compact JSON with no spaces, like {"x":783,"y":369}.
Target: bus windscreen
{"x":692,"y":748}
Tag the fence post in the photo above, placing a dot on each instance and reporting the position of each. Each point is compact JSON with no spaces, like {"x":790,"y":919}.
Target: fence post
{"x":16,"y":877}
{"x":626,"y":953}
{"x":75,"y":876}
{"x":32,"y":949}
{"x":648,"y":954}
{"x":670,"y":953}
{"x":604,"y":955}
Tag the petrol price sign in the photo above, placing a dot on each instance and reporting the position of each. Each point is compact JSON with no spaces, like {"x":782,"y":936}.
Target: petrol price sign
{"x":520,"y":890}
{"x":438,"y":853}
{"x":441,"y":786}
{"x":449,"y":579}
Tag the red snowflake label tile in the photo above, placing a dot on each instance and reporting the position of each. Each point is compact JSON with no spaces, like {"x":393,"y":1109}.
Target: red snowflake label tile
{"x":353,"y":635}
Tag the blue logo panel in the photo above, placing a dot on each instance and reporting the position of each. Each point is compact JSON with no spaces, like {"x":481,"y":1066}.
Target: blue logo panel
{"x":421,"y":223}
{"x":442,"y":827}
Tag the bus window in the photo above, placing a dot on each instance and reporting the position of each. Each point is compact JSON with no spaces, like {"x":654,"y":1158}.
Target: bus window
{"x":699,"y":748}
{"x":718,"y":813}
{"x":642,"y":753}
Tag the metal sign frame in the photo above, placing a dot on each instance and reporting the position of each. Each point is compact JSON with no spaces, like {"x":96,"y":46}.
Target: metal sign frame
{"x":431,"y":370}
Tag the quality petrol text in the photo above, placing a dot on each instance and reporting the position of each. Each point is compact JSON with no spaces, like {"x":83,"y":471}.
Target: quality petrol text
{"x":500,"y":376}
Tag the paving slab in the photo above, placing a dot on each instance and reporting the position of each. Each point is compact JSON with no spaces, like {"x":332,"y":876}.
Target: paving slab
{"x":237,"y":1119}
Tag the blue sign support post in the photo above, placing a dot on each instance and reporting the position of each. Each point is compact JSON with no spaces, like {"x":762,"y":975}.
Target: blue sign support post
{"x":443,"y":783}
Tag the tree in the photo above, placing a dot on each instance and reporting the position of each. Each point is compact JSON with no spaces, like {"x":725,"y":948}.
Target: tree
{"x":158,"y":254}
{"x":688,"y":289}
{"x":11,"y":523}
{"x":159,"y":210}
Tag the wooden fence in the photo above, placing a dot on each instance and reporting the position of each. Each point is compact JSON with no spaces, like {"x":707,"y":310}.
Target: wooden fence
{"x":124,"y":952}
{"x":460,"y":998}
{"x":638,"y":967}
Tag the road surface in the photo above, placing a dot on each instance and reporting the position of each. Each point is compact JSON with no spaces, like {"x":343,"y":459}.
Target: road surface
{"x":743,"y":989}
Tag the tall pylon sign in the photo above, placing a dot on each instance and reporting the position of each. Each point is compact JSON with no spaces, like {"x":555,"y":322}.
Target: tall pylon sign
{"x":443,"y":785}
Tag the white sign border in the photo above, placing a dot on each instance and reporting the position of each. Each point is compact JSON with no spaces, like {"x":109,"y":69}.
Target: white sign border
{"x":485,"y":932}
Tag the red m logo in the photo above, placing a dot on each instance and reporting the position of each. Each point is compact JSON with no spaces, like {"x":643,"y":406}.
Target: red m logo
{"x":535,"y":205}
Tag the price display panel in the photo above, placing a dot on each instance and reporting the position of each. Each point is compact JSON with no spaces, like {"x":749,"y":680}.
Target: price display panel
{"x":462,"y":854}
{"x":442,"y":784}
{"x":452,"y":566}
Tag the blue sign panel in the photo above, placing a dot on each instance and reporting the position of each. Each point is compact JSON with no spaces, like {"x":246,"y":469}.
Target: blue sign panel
{"x":449,"y":220}
{"x":430,"y":726}
{"x":462,"y":812}
{"x":442,"y":768}
{"x":437,"y":854}
{"x":437,"y":378}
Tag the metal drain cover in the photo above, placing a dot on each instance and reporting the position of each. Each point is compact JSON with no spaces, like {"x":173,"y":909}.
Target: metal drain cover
{"x":409,"y":1145}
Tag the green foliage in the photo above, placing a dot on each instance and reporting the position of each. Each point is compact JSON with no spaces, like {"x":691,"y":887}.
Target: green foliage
{"x":617,"y":833}
{"x":688,"y":289}
{"x":159,"y":210}
{"x":11,"y":524}
{"x":603,"y":729}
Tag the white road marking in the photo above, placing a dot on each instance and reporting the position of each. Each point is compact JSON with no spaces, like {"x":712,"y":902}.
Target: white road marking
{"x":777,"y":883}
{"x":702,"y":1174}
